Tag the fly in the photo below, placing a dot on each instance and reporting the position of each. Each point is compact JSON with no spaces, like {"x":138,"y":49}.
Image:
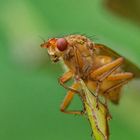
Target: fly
{"x":102,"y":71}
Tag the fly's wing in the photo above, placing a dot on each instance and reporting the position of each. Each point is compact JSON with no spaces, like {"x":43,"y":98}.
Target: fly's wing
{"x":128,"y":65}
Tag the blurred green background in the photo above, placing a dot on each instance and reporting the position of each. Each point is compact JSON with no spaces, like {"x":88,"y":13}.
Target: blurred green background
{"x":30,"y":95}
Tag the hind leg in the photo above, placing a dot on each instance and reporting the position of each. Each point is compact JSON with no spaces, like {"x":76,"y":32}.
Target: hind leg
{"x":122,"y":79}
{"x":100,"y":74}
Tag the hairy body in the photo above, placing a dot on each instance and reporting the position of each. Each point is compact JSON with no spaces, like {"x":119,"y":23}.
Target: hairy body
{"x":83,"y":58}
{"x":103,"y":70}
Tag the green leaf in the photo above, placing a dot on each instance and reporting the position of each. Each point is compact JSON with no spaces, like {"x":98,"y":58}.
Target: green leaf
{"x":97,"y":116}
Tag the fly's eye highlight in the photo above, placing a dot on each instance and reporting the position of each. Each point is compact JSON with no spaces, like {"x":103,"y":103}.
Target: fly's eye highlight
{"x":62,"y":44}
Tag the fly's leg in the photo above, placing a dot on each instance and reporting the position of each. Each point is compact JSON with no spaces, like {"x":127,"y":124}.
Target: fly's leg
{"x":67,"y":100}
{"x":69,"y":96}
{"x":67,"y":76}
{"x":96,"y":93}
{"x":109,"y":117}
{"x":122,"y":77}
{"x":103,"y":72}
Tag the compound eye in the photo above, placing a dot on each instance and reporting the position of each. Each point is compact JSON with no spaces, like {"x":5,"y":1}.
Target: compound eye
{"x":62,"y":44}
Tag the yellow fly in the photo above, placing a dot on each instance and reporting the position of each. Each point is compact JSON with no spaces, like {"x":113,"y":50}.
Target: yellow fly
{"x":97,"y":71}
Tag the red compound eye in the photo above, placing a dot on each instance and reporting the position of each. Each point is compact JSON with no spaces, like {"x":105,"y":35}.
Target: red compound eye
{"x":62,"y":44}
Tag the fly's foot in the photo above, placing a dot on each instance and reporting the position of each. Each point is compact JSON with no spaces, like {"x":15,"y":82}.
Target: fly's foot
{"x":97,"y":102}
{"x":109,"y":117}
{"x":80,"y":113}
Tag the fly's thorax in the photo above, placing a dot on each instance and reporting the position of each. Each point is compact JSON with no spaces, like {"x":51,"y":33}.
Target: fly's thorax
{"x":75,"y":40}
{"x":82,"y":47}
{"x":79,"y":57}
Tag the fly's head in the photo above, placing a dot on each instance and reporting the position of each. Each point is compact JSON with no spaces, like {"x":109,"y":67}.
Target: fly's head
{"x":56,"y":48}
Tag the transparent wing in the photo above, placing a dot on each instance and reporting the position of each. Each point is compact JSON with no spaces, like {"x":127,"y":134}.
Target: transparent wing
{"x":128,"y":65}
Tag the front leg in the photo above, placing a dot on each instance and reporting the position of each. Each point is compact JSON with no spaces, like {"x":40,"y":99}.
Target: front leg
{"x":67,"y":100}
{"x":66,"y":77}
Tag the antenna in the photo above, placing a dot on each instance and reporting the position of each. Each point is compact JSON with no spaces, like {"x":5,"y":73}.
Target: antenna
{"x":42,"y":38}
